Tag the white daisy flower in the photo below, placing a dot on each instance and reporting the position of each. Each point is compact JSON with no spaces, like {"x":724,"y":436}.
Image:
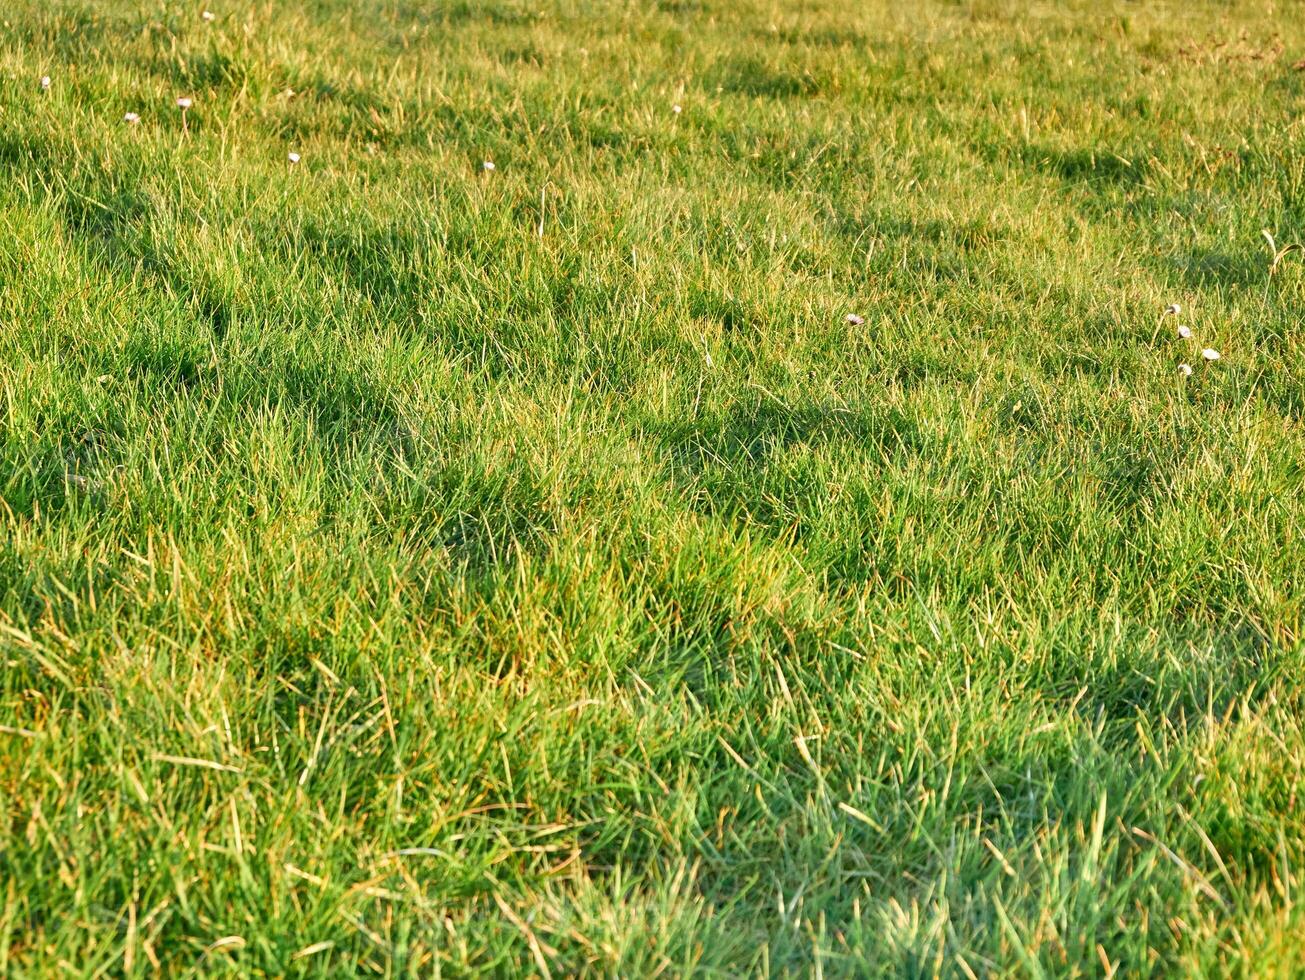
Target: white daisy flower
{"x":292,"y":157}
{"x":1185,"y":370}
{"x":131,"y":117}
{"x":854,"y":320}
{"x":185,"y":102}
{"x":1184,"y":331}
{"x":1173,"y":309}
{"x":209,"y":15}
{"x":45,"y":81}
{"x":677,"y":109}
{"x":488,"y":165}
{"x":1210,"y":354}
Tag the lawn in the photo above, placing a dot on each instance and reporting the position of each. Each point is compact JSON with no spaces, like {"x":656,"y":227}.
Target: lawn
{"x":758,"y":526}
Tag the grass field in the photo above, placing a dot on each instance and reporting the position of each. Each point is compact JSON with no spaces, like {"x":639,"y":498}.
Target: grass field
{"x":413,"y":568}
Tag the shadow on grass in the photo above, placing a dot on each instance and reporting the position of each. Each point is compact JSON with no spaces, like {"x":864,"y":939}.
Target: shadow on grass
{"x":815,"y":37}
{"x":1092,"y":167}
{"x":732,"y":466}
{"x":966,"y":236}
{"x":1202,"y":270}
{"x":753,"y":77}
{"x":70,"y":32}
{"x":1183,"y":673}
{"x":755,"y":433}
{"x":461,"y":13}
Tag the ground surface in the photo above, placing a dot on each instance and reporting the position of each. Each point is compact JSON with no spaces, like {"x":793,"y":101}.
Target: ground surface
{"x":406,"y":567}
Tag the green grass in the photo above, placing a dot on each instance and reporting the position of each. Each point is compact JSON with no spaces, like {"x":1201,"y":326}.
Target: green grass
{"x":408,"y":569}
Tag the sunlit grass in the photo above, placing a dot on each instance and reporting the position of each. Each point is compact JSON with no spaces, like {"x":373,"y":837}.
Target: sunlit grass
{"x":698,"y":486}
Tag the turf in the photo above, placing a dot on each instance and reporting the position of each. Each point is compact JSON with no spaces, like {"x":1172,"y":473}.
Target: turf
{"x":410,"y":568}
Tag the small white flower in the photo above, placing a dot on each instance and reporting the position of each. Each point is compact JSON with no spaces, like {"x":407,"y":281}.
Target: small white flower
{"x":1184,"y":331}
{"x":292,"y":157}
{"x":209,"y":15}
{"x":1210,"y":354}
{"x":185,"y":102}
{"x":45,"y":81}
{"x":676,"y":109}
{"x":854,"y":320}
{"x":488,"y":165}
{"x":1185,"y":370}
{"x":131,"y":117}
{"x":1173,"y":309}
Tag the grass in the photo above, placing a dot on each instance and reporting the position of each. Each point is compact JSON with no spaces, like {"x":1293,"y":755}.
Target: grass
{"x":410,"y":569}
